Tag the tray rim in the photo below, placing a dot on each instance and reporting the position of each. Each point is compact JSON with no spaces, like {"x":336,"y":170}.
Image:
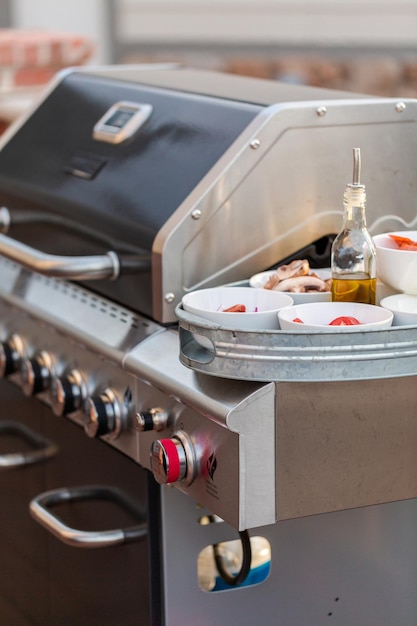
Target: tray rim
{"x":274,"y":355}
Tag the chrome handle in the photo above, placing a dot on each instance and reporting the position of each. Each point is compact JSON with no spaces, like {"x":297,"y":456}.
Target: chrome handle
{"x":43,"y":448}
{"x":87,"y":539}
{"x":69,"y":267}
{"x":5,"y":219}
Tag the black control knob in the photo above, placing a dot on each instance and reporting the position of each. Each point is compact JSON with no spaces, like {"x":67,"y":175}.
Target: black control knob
{"x":103,"y":415}
{"x":11,"y":354}
{"x":67,"y":393}
{"x":37,"y":374}
{"x":152,"y":419}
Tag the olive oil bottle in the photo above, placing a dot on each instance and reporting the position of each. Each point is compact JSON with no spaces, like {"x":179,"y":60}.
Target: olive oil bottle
{"x":353,"y":255}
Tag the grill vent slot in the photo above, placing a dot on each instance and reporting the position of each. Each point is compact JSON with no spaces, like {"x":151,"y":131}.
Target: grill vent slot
{"x":72,"y":293}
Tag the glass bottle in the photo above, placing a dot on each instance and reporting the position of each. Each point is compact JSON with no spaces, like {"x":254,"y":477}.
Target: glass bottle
{"x":353,"y":255}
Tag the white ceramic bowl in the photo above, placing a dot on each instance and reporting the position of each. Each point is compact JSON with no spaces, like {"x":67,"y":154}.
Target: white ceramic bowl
{"x":259,"y":280}
{"x":404,"y":308}
{"x":261,"y":305}
{"x":395,"y":267}
{"x":318,"y":315}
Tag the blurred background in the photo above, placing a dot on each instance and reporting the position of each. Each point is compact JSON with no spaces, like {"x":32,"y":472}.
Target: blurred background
{"x":366,"y":46}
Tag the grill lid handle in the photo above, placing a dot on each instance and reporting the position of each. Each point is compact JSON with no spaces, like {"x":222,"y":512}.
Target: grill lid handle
{"x":69,"y":267}
{"x":41,"y":448}
{"x":40,"y":509}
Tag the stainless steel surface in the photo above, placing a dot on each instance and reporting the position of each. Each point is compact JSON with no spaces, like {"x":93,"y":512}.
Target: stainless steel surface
{"x":348,"y":568}
{"x":42,"y":448}
{"x":71,"y":268}
{"x":4,"y":219}
{"x":287,"y":426}
{"x":231,"y":430}
{"x":356,"y":177}
{"x":81,"y":314}
{"x":283,"y":207}
{"x":111,"y":348}
{"x":252,"y":186}
{"x":343,"y":445}
{"x":283,"y":355}
{"x":40,"y":510}
{"x":48,"y":582}
{"x":231,"y":425}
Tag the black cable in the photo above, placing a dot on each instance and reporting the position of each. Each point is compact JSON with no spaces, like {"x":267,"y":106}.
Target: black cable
{"x":240,"y":577}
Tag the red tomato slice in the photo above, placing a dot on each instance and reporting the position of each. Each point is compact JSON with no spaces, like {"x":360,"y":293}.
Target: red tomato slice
{"x":236,"y":308}
{"x":404,"y":242}
{"x":297,"y":319}
{"x":344,"y":320}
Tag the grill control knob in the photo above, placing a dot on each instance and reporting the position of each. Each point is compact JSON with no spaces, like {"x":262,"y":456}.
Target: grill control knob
{"x":37,"y":374}
{"x":173,"y":460}
{"x":103,"y":415}
{"x":11,"y":354}
{"x":67,"y":393}
{"x":153,"y":419}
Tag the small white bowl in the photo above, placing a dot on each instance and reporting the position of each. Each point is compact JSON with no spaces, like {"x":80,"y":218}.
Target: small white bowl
{"x":259,"y":280}
{"x":261,"y":305}
{"x":262,"y":308}
{"x":318,"y":315}
{"x":404,"y":308}
{"x":396,"y":268}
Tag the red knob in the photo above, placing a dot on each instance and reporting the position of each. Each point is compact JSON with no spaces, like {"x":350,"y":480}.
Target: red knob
{"x":168,"y":460}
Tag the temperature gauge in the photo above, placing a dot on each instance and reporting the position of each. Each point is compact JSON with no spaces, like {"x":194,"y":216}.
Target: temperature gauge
{"x":121,"y":121}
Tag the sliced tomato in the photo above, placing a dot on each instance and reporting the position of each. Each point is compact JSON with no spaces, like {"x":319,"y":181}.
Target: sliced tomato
{"x":297,"y":319}
{"x":236,"y":308}
{"x":404,"y":242}
{"x":344,"y":320}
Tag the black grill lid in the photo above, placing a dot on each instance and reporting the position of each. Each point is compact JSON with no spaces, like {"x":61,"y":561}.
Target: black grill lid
{"x":129,"y":189}
{"x":71,"y":194}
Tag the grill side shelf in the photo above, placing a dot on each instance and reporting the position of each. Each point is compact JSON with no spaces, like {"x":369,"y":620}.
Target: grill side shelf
{"x":277,"y":355}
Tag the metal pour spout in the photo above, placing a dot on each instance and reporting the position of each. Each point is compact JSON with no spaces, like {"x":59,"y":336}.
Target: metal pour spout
{"x":356,"y":166}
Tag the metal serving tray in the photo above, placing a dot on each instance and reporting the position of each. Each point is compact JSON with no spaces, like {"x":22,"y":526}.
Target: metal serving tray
{"x":278,"y":355}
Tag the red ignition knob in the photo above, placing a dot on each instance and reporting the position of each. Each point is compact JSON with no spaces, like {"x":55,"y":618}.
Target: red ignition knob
{"x":168,"y":460}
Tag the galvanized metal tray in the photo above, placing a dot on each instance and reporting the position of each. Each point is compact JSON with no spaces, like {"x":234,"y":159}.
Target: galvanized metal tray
{"x":277,"y":355}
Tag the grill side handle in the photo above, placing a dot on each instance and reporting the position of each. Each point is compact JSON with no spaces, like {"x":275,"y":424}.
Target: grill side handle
{"x":94,"y":267}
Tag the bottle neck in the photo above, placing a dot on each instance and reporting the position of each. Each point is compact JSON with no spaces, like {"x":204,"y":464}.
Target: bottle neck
{"x":354,"y":200}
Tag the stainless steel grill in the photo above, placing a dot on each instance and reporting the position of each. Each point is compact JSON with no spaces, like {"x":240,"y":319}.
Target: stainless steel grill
{"x":122,"y":190}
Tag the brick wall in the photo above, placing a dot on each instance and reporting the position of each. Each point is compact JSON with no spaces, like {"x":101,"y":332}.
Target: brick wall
{"x":376,"y":74}
{"x":29,"y":59}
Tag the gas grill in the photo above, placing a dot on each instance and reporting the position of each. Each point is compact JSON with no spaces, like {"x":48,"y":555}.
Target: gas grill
{"x":125,"y":188}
